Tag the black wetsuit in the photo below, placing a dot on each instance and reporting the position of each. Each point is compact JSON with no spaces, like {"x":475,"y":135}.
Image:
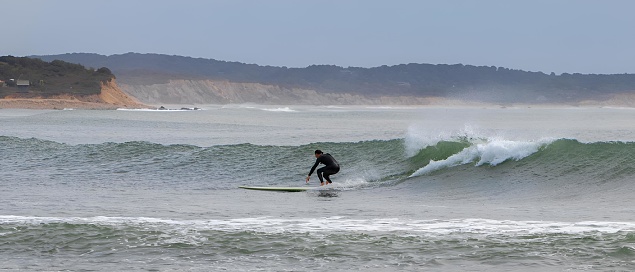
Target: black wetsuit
{"x":332,"y":167}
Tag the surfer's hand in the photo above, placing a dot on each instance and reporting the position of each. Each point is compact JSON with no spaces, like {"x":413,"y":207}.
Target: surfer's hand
{"x":307,"y":179}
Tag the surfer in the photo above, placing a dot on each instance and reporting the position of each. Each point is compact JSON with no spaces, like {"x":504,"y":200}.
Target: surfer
{"x":331,"y":167}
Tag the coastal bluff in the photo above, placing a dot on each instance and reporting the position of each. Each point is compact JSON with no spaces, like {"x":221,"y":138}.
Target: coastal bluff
{"x":36,"y":84}
{"x":188,"y":91}
{"x":201,"y":92}
{"x":110,"y":97}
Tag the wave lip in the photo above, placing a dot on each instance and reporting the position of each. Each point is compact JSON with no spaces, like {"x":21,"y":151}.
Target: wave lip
{"x":492,"y":152}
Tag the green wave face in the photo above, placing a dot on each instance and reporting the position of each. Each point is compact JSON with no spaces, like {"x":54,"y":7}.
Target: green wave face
{"x":363,"y":163}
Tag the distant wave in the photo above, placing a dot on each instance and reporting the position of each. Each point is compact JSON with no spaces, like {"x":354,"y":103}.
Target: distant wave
{"x":257,"y":107}
{"x":285,"y":109}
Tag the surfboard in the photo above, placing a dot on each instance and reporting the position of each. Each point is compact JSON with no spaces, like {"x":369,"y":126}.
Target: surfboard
{"x":279,"y":189}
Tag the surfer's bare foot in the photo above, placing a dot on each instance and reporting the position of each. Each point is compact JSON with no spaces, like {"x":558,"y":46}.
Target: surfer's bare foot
{"x":321,"y":183}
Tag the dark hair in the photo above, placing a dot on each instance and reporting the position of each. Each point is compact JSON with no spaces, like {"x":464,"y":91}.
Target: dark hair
{"x":319,"y":152}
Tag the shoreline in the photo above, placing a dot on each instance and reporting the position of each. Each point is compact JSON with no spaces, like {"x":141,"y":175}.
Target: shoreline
{"x":59,"y":104}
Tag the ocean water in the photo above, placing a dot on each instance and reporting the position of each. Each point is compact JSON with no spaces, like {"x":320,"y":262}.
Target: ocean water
{"x":421,"y":189}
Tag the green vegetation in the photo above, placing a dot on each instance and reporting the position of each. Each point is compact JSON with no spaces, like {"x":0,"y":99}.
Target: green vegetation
{"x":49,"y":78}
{"x":478,"y":83}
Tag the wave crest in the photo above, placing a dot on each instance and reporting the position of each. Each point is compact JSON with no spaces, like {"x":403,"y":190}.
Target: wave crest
{"x":492,"y":152}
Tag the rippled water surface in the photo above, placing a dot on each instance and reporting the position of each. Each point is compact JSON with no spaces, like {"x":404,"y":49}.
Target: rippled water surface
{"x":435,"y":189}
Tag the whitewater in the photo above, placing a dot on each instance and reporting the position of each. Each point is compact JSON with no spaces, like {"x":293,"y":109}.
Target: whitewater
{"x":421,"y":188}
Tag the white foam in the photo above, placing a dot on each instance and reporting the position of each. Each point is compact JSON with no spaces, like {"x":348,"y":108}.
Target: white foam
{"x":251,"y":106}
{"x":239,"y":106}
{"x":491,"y":152}
{"x":285,"y":109}
{"x":342,"y":224}
{"x":498,"y":151}
{"x":350,"y":183}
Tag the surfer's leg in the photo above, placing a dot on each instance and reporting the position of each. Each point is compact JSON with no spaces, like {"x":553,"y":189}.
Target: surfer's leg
{"x":328,"y":172}
{"x":326,"y":177}
{"x":319,"y":174}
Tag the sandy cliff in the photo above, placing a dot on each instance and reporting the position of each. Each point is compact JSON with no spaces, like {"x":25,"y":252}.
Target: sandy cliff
{"x":224,"y":92}
{"x":200,"y":92}
{"x":111,"y":97}
{"x":112,"y":94}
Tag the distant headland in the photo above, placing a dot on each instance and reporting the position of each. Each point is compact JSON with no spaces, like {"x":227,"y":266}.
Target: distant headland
{"x":162,"y":79}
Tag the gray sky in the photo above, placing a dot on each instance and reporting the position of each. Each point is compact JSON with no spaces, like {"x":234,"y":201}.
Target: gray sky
{"x":559,"y":36}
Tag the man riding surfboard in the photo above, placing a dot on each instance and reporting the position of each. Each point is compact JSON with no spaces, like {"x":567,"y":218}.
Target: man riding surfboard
{"x":331,"y":167}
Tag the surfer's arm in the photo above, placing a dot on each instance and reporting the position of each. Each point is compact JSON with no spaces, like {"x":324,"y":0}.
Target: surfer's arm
{"x":314,"y":166}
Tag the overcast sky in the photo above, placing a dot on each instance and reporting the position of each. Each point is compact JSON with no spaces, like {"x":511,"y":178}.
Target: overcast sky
{"x":559,"y":36}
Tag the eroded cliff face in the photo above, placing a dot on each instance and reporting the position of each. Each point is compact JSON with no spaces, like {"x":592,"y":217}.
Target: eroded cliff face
{"x":224,"y":92}
{"x":112,"y":94}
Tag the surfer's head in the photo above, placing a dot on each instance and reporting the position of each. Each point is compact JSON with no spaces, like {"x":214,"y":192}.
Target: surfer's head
{"x":318,"y":153}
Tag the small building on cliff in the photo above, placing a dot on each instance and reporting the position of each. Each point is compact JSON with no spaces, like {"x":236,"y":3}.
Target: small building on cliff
{"x":22,"y":83}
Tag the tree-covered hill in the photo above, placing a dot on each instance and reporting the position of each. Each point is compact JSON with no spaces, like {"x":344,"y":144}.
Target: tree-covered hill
{"x":28,"y":77}
{"x":484,"y":83}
